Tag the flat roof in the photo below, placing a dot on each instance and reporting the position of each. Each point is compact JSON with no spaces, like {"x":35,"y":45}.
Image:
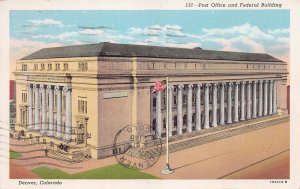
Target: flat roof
{"x":106,"y":49}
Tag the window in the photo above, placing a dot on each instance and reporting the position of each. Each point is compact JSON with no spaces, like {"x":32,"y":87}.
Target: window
{"x":49,"y":66}
{"x":42,"y":66}
{"x":51,"y":143}
{"x":184,"y":99}
{"x":24,"y":97}
{"x":194,"y":98}
{"x":82,"y":66}
{"x":82,"y":106}
{"x":44,"y":141}
{"x":36,"y":67}
{"x":57,"y":67}
{"x":175,"y":100}
{"x":24,"y":67}
{"x":66,"y":66}
{"x":154,"y":102}
{"x":64,"y":103}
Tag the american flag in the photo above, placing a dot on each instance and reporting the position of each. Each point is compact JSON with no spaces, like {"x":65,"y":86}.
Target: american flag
{"x":159,"y":86}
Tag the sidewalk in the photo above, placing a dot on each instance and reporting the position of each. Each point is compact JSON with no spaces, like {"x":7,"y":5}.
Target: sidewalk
{"x":217,"y":159}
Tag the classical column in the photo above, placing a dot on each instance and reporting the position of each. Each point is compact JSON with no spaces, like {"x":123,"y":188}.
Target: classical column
{"x":189,"y":108}
{"x":274,"y":98}
{"x":254,"y":100}
{"x":51,"y":109}
{"x":265,"y":98}
{"x":242,"y":100}
{"x":198,"y":107}
{"x":206,"y":106}
{"x":58,"y":113}
{"x":215,"y":105}
{"x":30,"y":96}
{"x":236,"y":102}
{"x":170,"y":103}
{"x":229,"y":103}
{"x":68,"y":128}
{"x":260,"y":98}
{"x":249,"y":100}
{"x":158,"y":114}
{"x":36,"y":107}
{"x":179,"y":109}
{"x":271,"y":98}
{"x":222,"y":106}
{"x":44,"y":124}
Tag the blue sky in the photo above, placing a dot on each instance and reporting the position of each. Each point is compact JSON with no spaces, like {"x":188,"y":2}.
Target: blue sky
{"x":264,"y":31}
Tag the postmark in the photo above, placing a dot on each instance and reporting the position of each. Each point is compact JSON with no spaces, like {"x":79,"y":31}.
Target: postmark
{"x":141,"y":148}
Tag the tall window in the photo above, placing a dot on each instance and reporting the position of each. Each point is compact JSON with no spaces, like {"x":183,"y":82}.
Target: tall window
{"x":82,"y":106}
{"x":66,"y":66}
{"x":42,"y":66}
{"x":82,"y":66}
{"x":49,"y":66}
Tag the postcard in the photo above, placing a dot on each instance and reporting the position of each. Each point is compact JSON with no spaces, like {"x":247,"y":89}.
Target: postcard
{"x":141,"y":94}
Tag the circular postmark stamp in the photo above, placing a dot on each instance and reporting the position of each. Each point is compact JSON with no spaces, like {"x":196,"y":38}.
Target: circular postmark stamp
{"x":137,"y":147}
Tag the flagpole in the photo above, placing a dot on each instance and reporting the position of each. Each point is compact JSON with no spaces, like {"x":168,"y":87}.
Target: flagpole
{"x":167,"y":169}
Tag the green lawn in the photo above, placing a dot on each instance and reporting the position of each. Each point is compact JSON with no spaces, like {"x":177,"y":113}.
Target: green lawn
{"x":110,"y":172}
{"x":14,"y":155}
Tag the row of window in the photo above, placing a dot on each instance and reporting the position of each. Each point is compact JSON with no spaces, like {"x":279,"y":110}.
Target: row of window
{"x":82,"y":106}
{"x":41,"y":67}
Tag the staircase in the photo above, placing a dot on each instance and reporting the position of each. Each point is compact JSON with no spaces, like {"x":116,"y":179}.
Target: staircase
{"x":66,"y":157}
{"x":209,"y":135}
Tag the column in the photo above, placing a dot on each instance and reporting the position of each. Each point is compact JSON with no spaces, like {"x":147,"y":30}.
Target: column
{"x":229,"y":106}
{"x":215,"y":105}
{"x":271,"y":98}
{"x":254,"y":100}
{"x":236,"y":102}
{"x":51,"y":109}
{"x":206,"y":106}
{"x":30,"y":97}
{"x":222,"y":106}
{"x":36,"y":108}
{"x":242,"y":100}
{"x":68,"y":128}
{"x":179,"y":109}
{"x":260,"y":98}
{"x":58,"y":113}
{"x":274,"y":98}
{"x":44,"y":126}
{"x":198,"y":107}
{"x":265,"y":98}
{"x":170,"y":103}
{"x":189,"y":108}
{"x":249,"y":100}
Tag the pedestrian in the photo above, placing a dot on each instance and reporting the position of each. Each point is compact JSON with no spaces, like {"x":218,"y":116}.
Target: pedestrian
{"x":46,"y":152}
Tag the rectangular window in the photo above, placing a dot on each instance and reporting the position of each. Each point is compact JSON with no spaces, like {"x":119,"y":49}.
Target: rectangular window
{"x":85,"y":102}
{"x":44,"y":141}
{"x":154,"y":102}
{"x":175,"y":100}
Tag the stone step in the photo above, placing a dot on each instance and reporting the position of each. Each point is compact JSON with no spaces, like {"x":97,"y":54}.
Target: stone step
{"x":64,"y":157}
{"x":225,"y":132}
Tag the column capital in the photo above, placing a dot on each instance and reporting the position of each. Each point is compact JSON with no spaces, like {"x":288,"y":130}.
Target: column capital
{"x":215,"y":84}
{"x":67,"y":88}
{"x":223,"y":84}
{"x":190,"y":85}
{"x":36,"y":85}
{"x":271,"y":81}
{"x":50,"y":87}
{"x":229,"y":83}
{"x":29,"y":85}
{"x":43,"y":86}
{"x":58,"y":88}
{"x":260,"y":81}
{"x":243,"y":82}
{"x":199,"y":85}
{"x":266,"y":81}
{"x":207,"y":85}
{"x":254,"y":82}
{"x":180,"y":86}
{"x":249,"y":82}
{"x":237,"y":83}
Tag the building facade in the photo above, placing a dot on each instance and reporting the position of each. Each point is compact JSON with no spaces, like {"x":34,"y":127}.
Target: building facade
{"x":81,"y":96}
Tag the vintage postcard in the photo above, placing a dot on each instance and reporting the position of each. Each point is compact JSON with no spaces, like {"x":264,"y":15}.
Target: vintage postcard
{"x":149,"y":94}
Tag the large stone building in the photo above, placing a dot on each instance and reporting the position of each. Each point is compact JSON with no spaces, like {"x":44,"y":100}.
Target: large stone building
{"x":83,"y":95}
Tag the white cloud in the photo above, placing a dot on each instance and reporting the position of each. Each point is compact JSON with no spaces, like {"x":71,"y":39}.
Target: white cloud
{"x":46,"y":22}
{"x":62,"y":36}
{"x":280,"y":31}
{"x":245,"y":29}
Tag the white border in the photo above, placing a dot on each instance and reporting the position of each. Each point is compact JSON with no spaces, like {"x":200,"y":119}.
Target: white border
{"x":294,"y":7}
